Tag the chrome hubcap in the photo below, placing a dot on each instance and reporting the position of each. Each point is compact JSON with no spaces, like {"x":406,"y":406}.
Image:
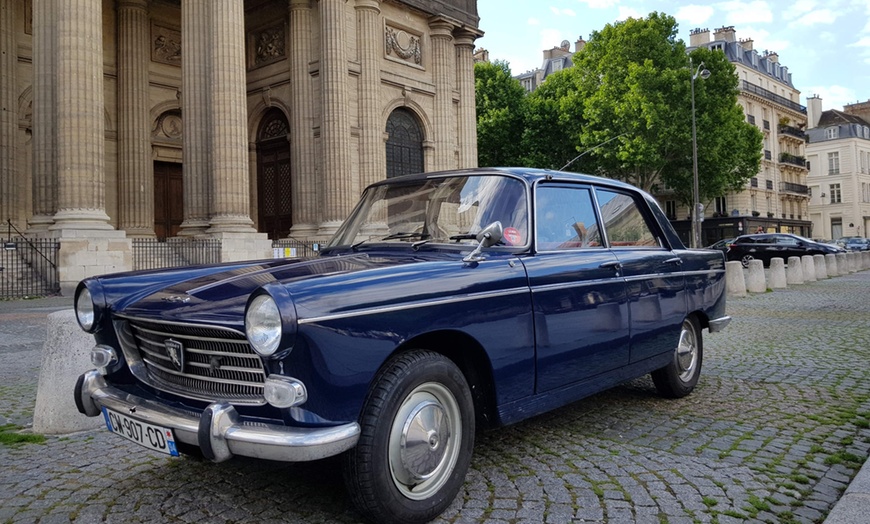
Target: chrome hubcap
{"x":424,"y":441}
{"x":687,"y":352}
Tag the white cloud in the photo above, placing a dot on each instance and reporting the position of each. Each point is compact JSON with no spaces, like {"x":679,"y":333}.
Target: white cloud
{"x":550,"y":38}
{"x":533,"y":21}
{"x":562,"y":12}
{"x":628,"y":12}
{"x":762,"y":39}
{"x":599,"y":4}
{"x":864,"y":42}
{"x":833,"y":96}
{"x":821,"y":16}
{"x":695,"y":15}
{"x":739,"y":12}
{"x":798,"y":9}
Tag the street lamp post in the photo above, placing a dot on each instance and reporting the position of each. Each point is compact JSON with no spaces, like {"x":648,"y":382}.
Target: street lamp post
{"x":697,"y":207}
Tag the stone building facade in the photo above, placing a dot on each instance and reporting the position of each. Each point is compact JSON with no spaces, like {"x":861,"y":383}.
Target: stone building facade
{"x":839,"y":180}
{"x":242,"y":120}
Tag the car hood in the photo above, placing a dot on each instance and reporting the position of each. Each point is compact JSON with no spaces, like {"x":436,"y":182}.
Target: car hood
{"x":316,"y":285}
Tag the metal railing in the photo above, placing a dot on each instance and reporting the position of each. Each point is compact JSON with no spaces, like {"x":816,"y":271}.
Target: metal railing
{"x":28,"y":266}
{"x":773,"y":97}
{"x":793,"y":159}
{"x":153,"y":253}
{"x":793,"y":131}
{"x":790,"y":187}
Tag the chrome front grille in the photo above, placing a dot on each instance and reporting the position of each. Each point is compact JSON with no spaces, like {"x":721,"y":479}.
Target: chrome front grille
{"x":215,"y":363}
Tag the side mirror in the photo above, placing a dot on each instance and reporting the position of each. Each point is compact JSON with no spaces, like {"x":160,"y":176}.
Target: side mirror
{"x":488,"y":237}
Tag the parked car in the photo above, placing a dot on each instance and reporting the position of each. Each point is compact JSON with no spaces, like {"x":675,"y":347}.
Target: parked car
{"x":766,"y":246}
{"x":445,"y":302}
{"x":857,"y":244}
{"x":842,"y":241}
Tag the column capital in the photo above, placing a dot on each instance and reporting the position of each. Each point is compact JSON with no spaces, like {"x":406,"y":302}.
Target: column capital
{"x":374,"y":5}
{"x":465,"y":36}
{"x":133,"y":4}
{"x":299,"y":4}
{"x":442,"y":26}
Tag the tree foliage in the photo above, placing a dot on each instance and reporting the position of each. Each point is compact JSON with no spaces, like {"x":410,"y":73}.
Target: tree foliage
{"x":626,"y":108}
{"x":500,"y":102}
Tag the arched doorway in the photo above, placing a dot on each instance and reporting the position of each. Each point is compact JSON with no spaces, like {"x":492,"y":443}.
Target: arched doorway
{"x":273,"y":176}
{"x":405,"y":143}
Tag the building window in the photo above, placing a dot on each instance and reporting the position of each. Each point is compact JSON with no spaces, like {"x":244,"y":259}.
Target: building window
{"x":834,"y":163}
{"x":836,"y":195}
{"x":404,"y":145}
{"x":836,"y":227}
{"x":720,"y":206}
{"x":832,"y":133}
{"x":750,"y":119}
{"x":671,"y":209}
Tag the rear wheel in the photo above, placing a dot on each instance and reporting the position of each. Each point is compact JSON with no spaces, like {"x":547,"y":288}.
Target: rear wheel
{"x":417,"y":435}
{"x":746,"y":260}
{"x":679,"y":378}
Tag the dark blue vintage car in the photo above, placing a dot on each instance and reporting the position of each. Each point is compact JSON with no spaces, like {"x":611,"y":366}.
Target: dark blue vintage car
{"x":446,"y":302}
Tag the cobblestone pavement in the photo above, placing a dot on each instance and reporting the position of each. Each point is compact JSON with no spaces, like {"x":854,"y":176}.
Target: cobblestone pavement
{"x":779,"y":424}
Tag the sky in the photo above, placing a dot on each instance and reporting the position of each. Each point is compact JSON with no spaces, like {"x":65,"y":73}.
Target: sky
{"x":824,"y":43}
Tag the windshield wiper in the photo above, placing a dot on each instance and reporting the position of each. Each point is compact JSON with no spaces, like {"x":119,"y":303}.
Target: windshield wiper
{"x":405,"y":234}
{"x":464,"y":236}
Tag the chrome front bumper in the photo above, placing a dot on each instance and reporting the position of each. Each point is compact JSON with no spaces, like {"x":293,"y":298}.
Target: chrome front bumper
{"x":217,"y":430}
{"x":718,"y":324}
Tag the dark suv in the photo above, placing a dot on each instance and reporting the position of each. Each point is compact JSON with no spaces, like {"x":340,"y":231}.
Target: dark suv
{"x":775,"y":245}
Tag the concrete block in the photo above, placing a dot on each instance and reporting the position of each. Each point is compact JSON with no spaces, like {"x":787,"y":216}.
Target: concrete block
{"x":734,"y":281}
{"x":65,"y":356}
{"x":842,"y":264}
{"x":821,"y":268}
{"x":794,"y":273}
{"x":831,"y":263}
{"x":809,"y":266}
{"x":755,"y":282}
{"x":777,"y":274}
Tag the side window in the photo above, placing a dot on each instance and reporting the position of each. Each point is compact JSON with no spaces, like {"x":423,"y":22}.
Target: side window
{"x":624,"y":224}
{"x":787,"y":240}
{"x":565,"y":219}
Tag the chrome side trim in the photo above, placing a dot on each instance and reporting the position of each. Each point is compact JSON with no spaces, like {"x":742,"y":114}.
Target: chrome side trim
{"x":415,"y":305}
{"x":718,"y":324}
{"x":224,"y":434}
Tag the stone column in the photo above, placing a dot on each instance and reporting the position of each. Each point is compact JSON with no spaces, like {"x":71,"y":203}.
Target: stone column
{"x":44,"y":139}
{"x":338,"y":187}
{"x":370,"y":38}
{"x":467,"y":103}
{"x":194,"y":111}
{"x":302,"y":165}
{"x":80,"y":117}
{"x":228,"y":144}
{"x":8,"y":111}
{"x":135,"y":167}
{"x":441,"y":34}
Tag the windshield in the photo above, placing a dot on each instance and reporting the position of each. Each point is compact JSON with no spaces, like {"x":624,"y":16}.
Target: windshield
{"x":438,"y":210}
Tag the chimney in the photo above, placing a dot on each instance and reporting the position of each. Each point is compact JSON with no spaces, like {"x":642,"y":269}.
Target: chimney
{"x":746,"y":44}
{"x":579,"y":44}
{"x":727,"y":34}
{"x":859,"y":109}
{"x":814,"y":111}
{"x":772,"y":57}
{"x":698,"y":37}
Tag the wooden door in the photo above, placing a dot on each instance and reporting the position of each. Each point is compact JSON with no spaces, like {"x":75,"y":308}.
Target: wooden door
{"x":168,"y":199}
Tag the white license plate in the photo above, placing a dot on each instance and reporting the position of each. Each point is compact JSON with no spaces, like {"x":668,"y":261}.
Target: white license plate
{"x":152,"y":437}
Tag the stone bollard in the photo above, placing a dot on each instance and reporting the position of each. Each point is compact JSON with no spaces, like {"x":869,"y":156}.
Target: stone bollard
{"x":794,"y":274}
{"x":65,"y":355}
{"x":734,"y":281}
{"x":851,"y":258}
{"x":842,"y":264}
{"x":777,"y":274}
{"x":865,"y":256}
{"x":755,"y":281}
{"x":831,"y":262}
{"x":809,"y":266}
{"x":821,"y":269}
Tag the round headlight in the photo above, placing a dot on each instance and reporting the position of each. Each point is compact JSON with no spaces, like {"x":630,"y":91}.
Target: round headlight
{"x":263,"y":325}
{"x":85,"y":309}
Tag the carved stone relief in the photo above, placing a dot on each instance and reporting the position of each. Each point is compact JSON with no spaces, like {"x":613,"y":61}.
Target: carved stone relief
{"x":165,"y":45}
{"x":266,"y":46}
{"x":402,"y":45}
{"x":168,"y":127}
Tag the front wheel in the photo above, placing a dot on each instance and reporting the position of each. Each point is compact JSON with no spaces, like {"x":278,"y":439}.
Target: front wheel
{"x":417,"y":435}
{"x":746,"y":260}
{"x":679,"y":378}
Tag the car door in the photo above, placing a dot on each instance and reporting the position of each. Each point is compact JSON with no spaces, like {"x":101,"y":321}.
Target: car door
{"x":655,"y":284}
{"x":578,"y":295}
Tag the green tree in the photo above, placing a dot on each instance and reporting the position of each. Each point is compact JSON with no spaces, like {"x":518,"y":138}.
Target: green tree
{"x":632,"y":80}
{"x":552,"y":129}
{"x":500,"y":101}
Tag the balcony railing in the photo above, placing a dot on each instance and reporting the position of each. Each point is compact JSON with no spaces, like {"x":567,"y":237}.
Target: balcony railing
{"x":789,"y":187}
{"x":792,"y":131}
{"x":773,"y":97}
{"x":793,"y":159}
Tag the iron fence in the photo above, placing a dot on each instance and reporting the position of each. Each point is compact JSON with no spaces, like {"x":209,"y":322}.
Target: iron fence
{"x":292,"y":248}
{"x":28,"y":268}
{"x":153,"y":253}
